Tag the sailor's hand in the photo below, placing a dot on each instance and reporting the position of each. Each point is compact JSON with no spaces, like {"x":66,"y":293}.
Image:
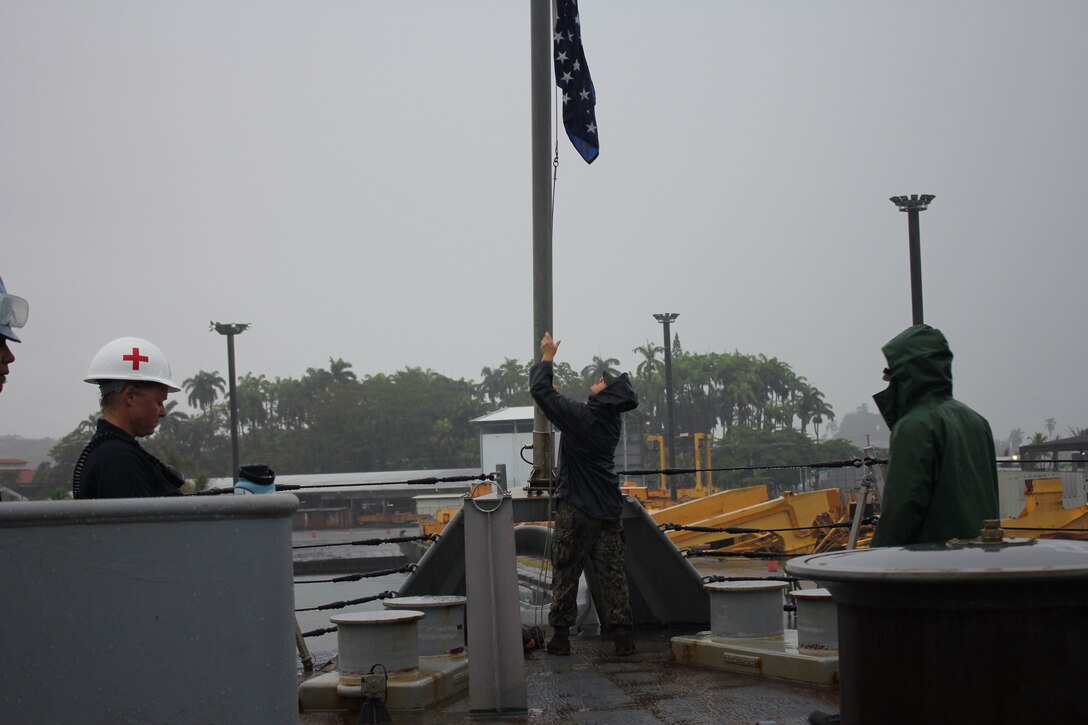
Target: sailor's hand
{"x":548,"y":347}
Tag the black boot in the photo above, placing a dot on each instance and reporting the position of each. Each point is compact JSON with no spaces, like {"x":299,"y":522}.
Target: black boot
{"x":624,"y":644}
{"x":559,"y":644}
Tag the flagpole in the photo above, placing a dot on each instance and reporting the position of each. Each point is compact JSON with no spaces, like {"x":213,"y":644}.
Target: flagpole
{"x":540,"y":28}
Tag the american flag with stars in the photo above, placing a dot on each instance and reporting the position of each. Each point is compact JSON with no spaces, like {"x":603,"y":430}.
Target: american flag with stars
{"x":572,"y":77}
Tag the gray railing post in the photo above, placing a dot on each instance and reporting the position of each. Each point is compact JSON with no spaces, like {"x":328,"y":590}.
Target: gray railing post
{"x":496,"y":660}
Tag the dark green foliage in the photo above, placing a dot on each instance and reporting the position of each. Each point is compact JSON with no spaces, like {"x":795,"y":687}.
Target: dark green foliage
{"x":330,"y":421}
{"x":746,"y":447}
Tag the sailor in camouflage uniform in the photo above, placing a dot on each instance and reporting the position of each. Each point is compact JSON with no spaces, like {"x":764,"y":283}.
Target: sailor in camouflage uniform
{"x":588,"y":500}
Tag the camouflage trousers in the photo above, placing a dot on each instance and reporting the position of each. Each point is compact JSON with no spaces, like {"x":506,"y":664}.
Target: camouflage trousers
{"x":580,"y":540}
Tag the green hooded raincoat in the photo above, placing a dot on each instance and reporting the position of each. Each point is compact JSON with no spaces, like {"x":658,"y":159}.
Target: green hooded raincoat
{"x":942,"y":473}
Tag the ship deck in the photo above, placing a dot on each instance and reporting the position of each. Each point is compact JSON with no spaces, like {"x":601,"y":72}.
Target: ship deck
{"x":594,"y":686}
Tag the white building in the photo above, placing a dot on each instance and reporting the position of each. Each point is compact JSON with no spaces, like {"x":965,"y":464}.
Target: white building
{"x":505,"y":434}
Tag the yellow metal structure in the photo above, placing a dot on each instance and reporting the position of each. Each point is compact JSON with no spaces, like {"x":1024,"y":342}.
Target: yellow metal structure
{"x":660,"y":441}
{"x":703,"y":471}
{"x":750,"y":508}
{"x":651,"y":498}
{"x":434,"y":524}
{"x":1044,"y":513}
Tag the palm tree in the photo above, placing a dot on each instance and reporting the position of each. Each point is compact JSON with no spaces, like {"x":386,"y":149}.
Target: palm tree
{"x":742,"y":391}
{"x":204,"y":389}
{"x":1016,"y":437}
{"x":339,"y":370}
{"x":89,"y":424}
{"x":567,"y":380}
{"x":610,"y":364}
{"x":490,"y":387}
{"x":810,"y":403}
{"x":592,"y":373}
{"x":317,"y":380}
{"x":649,"y":364}
{"x":1051,"y":424}
{"x":442,"y":440}
{"x":253,"y":402}
{"x":1035,"y":440}
{"x":514,"y":377}
{"x":290,"y":403}
{"x":171,"y":423}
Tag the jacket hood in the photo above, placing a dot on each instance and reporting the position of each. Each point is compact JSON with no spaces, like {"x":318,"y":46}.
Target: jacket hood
{"x":618,"y":397}
{"x":920,"y":362}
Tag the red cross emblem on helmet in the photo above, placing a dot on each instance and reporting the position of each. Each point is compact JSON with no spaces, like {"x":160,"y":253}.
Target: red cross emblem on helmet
{"x":136,"y":358}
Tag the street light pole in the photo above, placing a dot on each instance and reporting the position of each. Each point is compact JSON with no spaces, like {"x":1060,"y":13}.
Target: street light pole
{"x":912,"y":205}
{"x":230,"y":330}
{"x":666,"y":318}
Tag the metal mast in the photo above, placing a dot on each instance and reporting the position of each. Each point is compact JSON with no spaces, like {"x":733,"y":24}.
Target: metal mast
{"x":540,"y":26}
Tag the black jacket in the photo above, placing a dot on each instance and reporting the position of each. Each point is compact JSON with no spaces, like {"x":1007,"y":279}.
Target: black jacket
{"x":587,"y":448}
{"x":116,"y":466}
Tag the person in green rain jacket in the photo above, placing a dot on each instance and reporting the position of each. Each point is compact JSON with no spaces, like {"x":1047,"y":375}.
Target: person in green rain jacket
{"x":942,"y":470}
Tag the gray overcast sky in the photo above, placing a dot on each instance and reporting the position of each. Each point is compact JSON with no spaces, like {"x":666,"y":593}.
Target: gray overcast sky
{"x":353,"y":178}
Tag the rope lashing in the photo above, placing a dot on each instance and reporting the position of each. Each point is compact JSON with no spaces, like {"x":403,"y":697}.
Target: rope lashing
{"x":1040,"y":528}
{"x":710,"y":579}
{"x":356,"y":577}
{"x":848,"y":463}
{"x":430,"y":481}
{"x":319,"y":632}
{"x":712,"y":554}
{"x":1043,"y":461}
{"x":372,"y":542}
{"x":348,"y":603}
{"x":745,"y":530}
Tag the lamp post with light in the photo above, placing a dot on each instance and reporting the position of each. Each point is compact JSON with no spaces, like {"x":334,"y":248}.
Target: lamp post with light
{"x":912,"y":205}
{"x":666,"y":319}
{"x":230,"y":330}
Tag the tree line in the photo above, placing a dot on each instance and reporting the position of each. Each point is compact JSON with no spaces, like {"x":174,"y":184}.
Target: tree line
{"x":331,"y":421}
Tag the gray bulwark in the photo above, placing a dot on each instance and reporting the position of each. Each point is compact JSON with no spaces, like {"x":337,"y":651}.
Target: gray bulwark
{"x":167,"y":610}
{"x":665,"y":588}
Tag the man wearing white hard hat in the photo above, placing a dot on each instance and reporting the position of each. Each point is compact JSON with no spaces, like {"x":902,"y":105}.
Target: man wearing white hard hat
{"x":13,"y":313}
{"x":133,"y":377}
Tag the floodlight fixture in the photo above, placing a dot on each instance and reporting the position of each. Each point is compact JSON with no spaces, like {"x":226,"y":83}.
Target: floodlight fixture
{"x":914,"y":202}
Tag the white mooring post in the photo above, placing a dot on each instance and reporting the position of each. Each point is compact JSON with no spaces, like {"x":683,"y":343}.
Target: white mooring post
{"x":496,"y":662}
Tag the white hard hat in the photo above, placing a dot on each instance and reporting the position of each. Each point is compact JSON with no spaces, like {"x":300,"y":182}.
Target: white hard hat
{"x":130,"y":358}
{"x":13,"y":313}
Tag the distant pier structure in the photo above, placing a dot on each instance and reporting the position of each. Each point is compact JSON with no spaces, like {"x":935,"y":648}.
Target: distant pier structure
{"x":375,"y":498}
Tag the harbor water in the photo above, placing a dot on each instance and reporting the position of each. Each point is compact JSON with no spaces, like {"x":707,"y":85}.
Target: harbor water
{"x":314,"y":590}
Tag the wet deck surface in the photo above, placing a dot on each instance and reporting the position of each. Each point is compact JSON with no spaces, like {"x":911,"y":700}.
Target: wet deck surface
{"x":594,"y":686}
